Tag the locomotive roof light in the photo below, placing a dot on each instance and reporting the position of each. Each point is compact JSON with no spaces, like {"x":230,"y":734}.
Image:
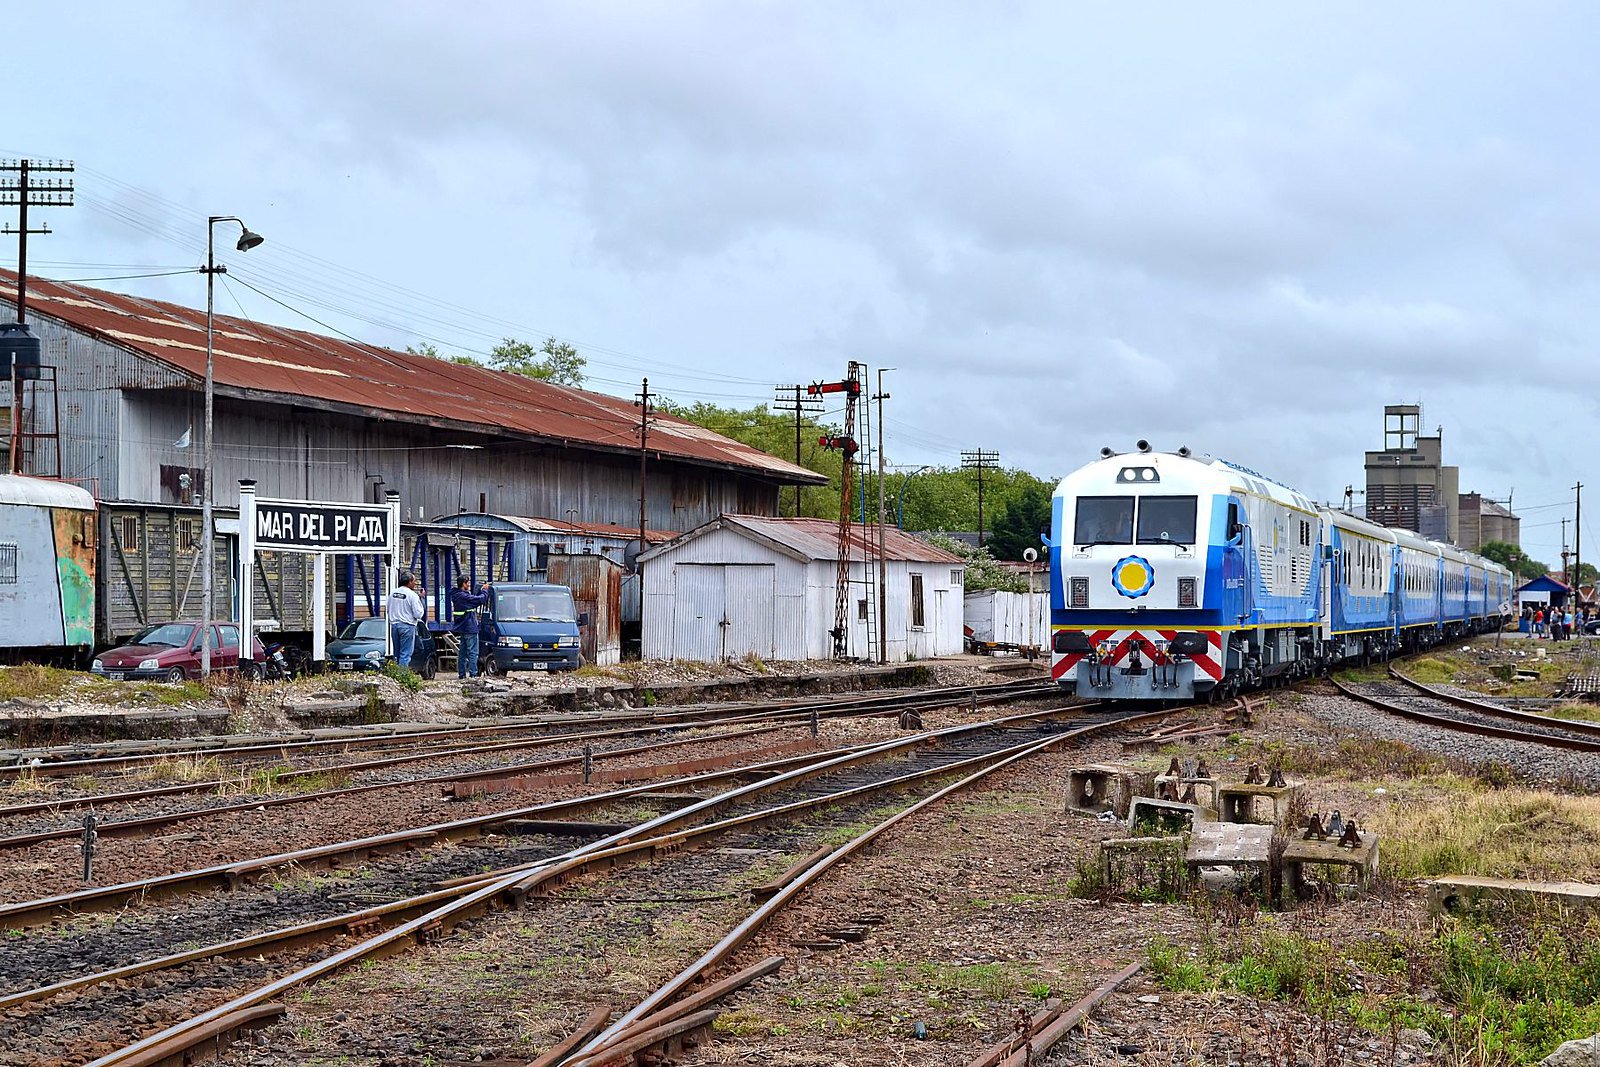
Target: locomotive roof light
{"x":1142,"y":445}
{"x":1138,"y":474}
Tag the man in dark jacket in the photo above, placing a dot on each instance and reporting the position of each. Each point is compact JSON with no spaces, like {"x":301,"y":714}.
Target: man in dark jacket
{"x":464,"y":605}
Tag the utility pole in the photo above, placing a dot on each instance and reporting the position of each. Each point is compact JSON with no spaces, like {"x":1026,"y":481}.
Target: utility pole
{"x":1577,"y":536}
{"x":643,"y":404}
{"x":883,"y":565}
{"x":980,"y":461}
{"x":1566,"y":557}
{"x":801,"y":405}
{"x":22,"y":192}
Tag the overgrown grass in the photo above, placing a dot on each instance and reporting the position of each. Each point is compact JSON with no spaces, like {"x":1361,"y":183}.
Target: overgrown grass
{"x":408,"y":679}
{"x":1504,"y":833}
{"x":1589,"y":712}
{"x":30,"y":681}
{"x":176,"y":769}
{"x":1492,"y":996}
{"x":1430,"y":670}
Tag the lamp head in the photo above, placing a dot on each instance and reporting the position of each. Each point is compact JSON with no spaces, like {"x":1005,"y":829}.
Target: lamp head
{"x":249,"y":239}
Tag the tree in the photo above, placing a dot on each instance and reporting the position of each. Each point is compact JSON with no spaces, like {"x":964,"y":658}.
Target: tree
{"x":1588,"y":574}
{"x":1502,"y":551}
{"x":982,"y":570}
{"x":1019,"y":522}
{"x":425,"y":348}
{"x":554,"y":361}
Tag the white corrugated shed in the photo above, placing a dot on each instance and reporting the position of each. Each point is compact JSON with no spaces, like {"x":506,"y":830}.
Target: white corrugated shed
{"x":753,"y":585}
{"x":1008,"y":618}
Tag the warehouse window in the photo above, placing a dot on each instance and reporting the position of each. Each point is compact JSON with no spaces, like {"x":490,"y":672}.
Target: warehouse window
{"x":8,"y":564}
{"x":916,"y":601}
{"x":130,"y":533}
{"x":861,"y":610}
{"x":188,"y":532}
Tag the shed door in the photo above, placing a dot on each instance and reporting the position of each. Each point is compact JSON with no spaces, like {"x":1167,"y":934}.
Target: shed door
{"x":722,"y":610}
{"x":747,"y":610}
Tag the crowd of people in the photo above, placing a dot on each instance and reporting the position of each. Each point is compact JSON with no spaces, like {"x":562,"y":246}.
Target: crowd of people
{"x":1555,"y":623}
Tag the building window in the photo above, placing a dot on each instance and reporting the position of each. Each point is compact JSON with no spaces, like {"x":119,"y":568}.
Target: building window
{"x":916,"y":601}
{"x":8,"y":564}
{"x":188,"y":532}
{"x":955,"y":579}
{"x":130,"y":533}
{"x":861,"y":610}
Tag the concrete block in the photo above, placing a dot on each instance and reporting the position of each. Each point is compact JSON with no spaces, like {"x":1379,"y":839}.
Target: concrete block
{"x":1465,"y":892}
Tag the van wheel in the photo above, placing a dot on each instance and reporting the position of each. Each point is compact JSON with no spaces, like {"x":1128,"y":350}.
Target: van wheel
{"x":430,"y":668}
{"x":490,"y":667}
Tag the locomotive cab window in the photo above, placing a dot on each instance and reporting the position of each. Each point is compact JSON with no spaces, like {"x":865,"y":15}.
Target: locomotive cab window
{"x":1105,"y":520}
{"x":1166,"y":520}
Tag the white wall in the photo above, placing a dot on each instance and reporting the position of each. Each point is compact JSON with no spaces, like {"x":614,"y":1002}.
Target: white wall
{"x":1005,"y":617}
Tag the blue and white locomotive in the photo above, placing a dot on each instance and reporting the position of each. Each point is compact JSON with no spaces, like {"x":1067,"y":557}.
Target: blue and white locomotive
{"x":1173,"y":578}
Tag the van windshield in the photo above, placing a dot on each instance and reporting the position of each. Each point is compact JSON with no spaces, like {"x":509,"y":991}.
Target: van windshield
{"x":527,"y":605}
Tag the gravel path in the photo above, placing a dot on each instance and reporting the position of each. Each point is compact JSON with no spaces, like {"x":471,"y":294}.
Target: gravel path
{"x":1529,"y":761}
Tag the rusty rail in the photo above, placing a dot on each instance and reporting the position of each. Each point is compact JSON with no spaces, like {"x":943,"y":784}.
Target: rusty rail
{"x":597,"y":1050}
{"x":1450,"y":722}
{"x":1575,"y":726}
{"x":516,"y":883}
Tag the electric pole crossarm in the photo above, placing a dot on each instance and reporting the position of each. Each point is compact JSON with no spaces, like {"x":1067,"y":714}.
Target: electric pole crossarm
{"x":980,"y":460}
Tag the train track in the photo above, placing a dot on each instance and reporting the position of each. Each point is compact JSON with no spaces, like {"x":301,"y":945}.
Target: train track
{"x":784,"y":791}
{"x":782,"y":717}
{"x":1421,"y":703}
{"x":64,"y":761}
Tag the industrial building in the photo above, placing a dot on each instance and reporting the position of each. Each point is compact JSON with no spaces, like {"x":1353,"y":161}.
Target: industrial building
{"x":120,"y":410}
{"x":756,"y":585}
{"x":1410,"y":487}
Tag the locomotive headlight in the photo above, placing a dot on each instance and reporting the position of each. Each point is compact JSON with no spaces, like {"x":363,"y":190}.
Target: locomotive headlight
{"x":1186,"y":589}
{"x":1080,"y":592}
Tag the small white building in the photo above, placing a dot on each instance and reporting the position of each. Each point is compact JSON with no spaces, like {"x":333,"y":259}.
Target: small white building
{"x":750,"y":584}
{"x":995,"y":616}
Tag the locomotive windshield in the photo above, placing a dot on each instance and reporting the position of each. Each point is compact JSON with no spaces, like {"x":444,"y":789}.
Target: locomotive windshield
{"x":1105,"y":520}
{"x":1166,"y":520}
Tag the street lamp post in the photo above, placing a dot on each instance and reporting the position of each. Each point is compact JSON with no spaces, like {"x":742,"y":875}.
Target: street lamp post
{"x":900,"y":508}
{"x":247,"y":241}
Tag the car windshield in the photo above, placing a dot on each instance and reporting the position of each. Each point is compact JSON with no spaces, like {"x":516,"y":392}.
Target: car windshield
{"x":529,"y":605}
{"x":1166,"y":520}
{"x":369,"y":628}
{"x":170,"y":634}
{"x":1103,"y":520}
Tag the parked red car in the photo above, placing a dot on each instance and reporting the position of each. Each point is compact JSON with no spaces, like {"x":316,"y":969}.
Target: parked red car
{"x":170,"y":652}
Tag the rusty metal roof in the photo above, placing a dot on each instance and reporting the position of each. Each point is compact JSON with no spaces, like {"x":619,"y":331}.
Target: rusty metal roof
{"x":308,"y":369}
{"x":818,"y":539}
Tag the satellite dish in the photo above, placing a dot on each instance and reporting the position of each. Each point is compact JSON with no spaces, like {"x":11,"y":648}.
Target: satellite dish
{"x":630,"y":556}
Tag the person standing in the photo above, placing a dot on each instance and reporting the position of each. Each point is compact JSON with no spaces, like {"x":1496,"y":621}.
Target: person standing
{"x":464,"y":605}
{"x":406,"y":612}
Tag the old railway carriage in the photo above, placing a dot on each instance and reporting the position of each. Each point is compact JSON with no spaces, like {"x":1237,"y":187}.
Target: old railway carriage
{"x":47,"y":564}
{"x":1174,"y":577}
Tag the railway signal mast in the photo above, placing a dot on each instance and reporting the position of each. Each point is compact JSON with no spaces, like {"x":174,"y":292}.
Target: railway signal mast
{"x":845,"y":445}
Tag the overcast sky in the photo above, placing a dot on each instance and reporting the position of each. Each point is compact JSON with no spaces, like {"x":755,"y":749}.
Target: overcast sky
{"x":1240,"y":227}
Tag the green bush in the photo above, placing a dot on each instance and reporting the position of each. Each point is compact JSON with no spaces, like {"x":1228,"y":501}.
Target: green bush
{"x":409,"y":680}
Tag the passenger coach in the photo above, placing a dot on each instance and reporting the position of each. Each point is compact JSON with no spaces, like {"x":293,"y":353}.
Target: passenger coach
{"x":1174,"y":577}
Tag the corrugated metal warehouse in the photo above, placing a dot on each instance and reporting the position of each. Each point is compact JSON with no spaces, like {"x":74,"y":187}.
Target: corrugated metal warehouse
{"x":314,"y":417}
{"x":756,"y":585}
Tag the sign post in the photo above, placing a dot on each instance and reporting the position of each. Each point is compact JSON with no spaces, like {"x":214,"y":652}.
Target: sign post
{"x":317,"y":529}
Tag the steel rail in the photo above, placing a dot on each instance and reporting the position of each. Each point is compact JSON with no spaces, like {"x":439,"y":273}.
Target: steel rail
{"x":34,"y":912}
{"x":1451,"y":722}
{"x":514,"y":884}
{"x":643,"y":719}
{"x":593,"y":1053}
{"x":1575,"y":726}
{"x":840,"y":709}
{"x":129,"y":826}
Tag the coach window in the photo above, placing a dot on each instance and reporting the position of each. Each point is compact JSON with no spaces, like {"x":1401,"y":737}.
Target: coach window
{"x":1106,"y":520}
{"x":1166,"y":520}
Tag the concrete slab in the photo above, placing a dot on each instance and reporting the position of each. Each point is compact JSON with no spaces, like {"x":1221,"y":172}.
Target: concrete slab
{"x":1229,"y":844}
{"x":1470,"y":892}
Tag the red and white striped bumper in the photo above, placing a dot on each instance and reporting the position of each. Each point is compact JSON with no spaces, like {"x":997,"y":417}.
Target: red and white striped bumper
{"x":1114,"y":647}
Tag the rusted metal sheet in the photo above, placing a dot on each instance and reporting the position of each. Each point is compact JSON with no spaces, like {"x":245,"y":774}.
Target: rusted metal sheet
{"x":596,"y":584}
{"x":75,"y":569}
{"x":308,"y":370}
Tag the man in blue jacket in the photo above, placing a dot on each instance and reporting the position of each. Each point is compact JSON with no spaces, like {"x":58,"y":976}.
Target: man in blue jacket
{"x":464,"y":605}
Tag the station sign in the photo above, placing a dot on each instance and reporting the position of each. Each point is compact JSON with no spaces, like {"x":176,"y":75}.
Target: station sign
{"x":305,"y":526}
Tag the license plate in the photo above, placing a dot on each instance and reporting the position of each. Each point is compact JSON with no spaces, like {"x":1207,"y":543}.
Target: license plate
{"x":116,"y":676}
{"x":539,"y":665}
{"x":346,"y":665}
